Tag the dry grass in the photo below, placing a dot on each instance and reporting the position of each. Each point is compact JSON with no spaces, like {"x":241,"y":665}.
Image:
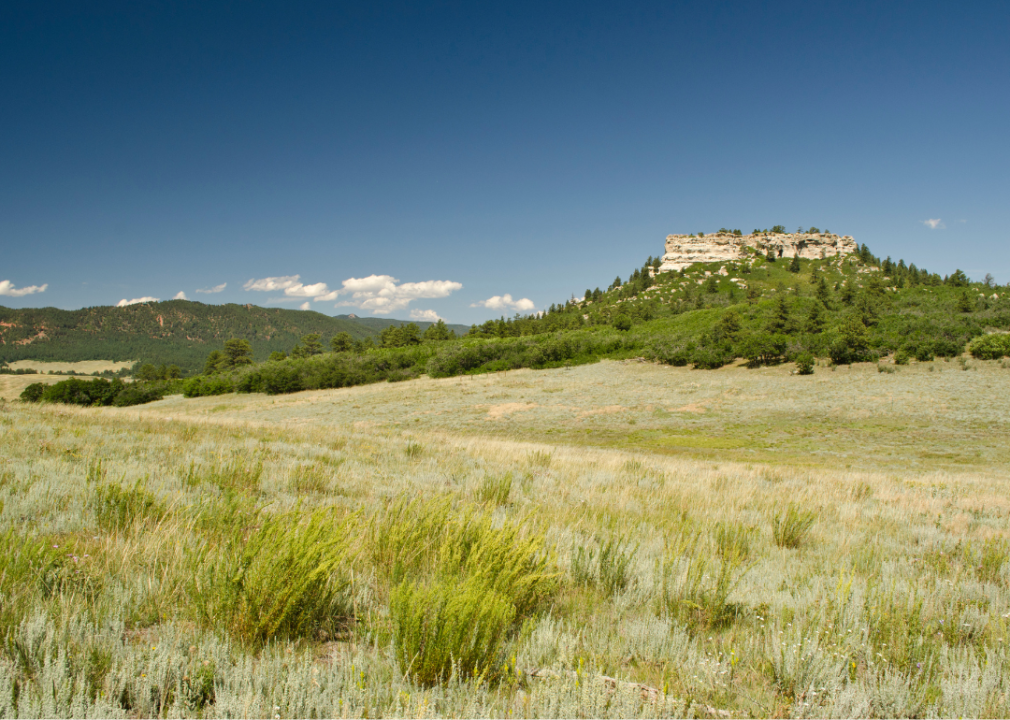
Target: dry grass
{"x":895,"y":603}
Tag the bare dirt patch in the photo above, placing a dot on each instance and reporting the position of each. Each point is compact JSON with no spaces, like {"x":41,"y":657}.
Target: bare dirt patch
{"x":607,"y":410}
{"x":497,"y":412}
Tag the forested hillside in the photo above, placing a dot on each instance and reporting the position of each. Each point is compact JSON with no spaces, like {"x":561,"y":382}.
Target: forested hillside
{"x":174,"y":332}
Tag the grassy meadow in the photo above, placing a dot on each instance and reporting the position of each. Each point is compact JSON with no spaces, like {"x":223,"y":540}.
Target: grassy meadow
{"x":617,"y":539}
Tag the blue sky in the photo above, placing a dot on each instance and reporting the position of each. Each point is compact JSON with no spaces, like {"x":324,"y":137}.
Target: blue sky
{"x":420,"y":159}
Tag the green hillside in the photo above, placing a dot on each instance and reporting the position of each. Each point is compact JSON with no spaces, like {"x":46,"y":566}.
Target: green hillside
{"x":179,"y":332}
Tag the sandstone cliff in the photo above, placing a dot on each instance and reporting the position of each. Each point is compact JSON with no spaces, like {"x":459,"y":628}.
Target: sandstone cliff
{"x":683,"y":250}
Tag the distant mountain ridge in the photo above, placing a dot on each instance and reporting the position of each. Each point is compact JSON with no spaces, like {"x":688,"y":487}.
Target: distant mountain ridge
{"x":179,"y":332}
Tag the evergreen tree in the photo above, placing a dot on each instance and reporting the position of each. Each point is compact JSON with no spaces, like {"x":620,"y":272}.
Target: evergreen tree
{"x":312,"y":344}
{"x":815,"y":320}
{"x":822,"y":291}
{"x":439,"y":332}
{"x":238,"y":352}
{"x":341,"y":342}
{"x":216,"y":360}
{"x":779,"y":321}
{"x":794,"y":266}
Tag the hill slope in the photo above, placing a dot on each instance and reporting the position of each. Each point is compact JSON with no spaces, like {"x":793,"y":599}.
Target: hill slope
{"x":179,"y":332}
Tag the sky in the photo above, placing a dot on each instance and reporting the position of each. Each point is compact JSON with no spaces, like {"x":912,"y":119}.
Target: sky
{"x":469,"y":160}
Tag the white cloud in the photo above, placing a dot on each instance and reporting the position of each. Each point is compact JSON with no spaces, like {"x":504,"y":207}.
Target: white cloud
{"x":7,"y":288}
{"x":381,"y":294}
{"x":934,"y":224}
{"x":273,"y":283}
{"x":505,"y":302}
{"x":305,"y":306}
{"x":146,"y":299}
{"x":292,"y":287}
{"x":222,"y":286}
{"x":181,"y":296}
{"x":426,"y":315}
{"x":310,"y":291}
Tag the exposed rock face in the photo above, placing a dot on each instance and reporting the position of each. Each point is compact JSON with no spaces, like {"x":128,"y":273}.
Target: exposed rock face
{"x":683,"y":250}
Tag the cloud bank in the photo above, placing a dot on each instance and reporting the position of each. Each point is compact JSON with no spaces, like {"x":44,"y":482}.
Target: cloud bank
{"x":181,"y":296}
{"x":934,"y":224}
{"x":291,"y":285}
{"x":505,"y":302}
{"x":7,"y":288}
{"x":136,"y":301}
{"x":216,"y":288}
{"x":381,"y":294}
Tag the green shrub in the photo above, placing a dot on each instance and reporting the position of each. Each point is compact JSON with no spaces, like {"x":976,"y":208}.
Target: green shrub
{"x":804,"y":364}
{"x":403,"y":537}
{"x":622,"y":322}
{"x":790,"y":529}
{"x":33,"y":393}
{"x":203,"y":385}
{"x":762,"y":348}
{"x":990,"y":347}
{"x":901,"y":357}
{"x":924,"y":353}
{"x":117,"y":508}
{"x":137,"y":394}
{"x":286,"y":579}
{"x":445,"y":626}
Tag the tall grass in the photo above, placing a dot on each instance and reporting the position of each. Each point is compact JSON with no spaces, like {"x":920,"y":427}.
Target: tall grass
{"x":791,"y":527}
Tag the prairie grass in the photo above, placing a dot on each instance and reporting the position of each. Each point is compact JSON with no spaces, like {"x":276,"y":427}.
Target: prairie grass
{"x":290,"y":556}
{"x":791,"y":527}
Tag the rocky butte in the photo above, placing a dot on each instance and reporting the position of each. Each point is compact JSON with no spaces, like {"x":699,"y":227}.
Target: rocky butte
{"x":684,"y":250}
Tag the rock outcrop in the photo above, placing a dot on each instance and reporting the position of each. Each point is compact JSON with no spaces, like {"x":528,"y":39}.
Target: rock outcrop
{"x":684,"y":250}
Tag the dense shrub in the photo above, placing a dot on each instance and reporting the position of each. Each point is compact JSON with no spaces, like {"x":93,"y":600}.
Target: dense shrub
{"x":137,"y":394}
{"x":33,"y":393}
{"x":805,"y":364}
{"x":202,"y":385}
{"x":762,"y":348}
{"x":463,"y":586}
{"x":97,"y":392}
{"x":443,"y":626}
{"x":990,"y":347}
{"x":286,"y":579}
